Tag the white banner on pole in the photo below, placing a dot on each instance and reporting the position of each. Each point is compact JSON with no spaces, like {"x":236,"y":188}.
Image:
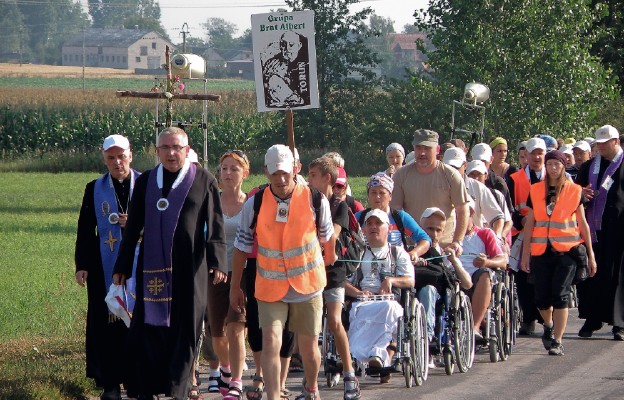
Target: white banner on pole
{"x":285,"y":60}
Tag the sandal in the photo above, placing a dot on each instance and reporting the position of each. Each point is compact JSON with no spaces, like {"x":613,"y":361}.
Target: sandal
{"x":233,"y":393}
{"x":216,"y":384}
{"x":257,"y":392}
{"x":194,"y":393}
{"x":285,"y":394}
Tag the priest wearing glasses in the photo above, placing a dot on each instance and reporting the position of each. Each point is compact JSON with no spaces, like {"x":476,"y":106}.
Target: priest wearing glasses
{"x":172,"y":204}
{"x":102,"y":220}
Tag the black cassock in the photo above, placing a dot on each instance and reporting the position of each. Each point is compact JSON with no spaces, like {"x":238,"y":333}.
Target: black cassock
{"x":598,"y":300}
{"x":159,"y":359}
{"x":103,"y":339}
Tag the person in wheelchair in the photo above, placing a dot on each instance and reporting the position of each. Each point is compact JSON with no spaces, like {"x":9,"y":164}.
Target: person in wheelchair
{"x":482,"y":254}
{"x":433,"y":273}
{"x":384,"y":268}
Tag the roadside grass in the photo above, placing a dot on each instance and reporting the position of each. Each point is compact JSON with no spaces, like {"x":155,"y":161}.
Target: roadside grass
{"x":42,"y":309}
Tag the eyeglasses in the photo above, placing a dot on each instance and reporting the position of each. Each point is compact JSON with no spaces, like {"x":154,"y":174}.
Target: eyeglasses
{"x":167,"y":149}
{"x":339,"y":186}
{"x":238,"y":153}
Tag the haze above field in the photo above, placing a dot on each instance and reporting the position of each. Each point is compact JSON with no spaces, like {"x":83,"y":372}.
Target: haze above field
{"x":174,"y":13}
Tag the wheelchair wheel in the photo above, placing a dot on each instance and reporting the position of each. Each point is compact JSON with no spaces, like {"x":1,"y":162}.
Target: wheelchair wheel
{"x":493,"y":347}
{"x":463,"y":334}
{"x":449,"y":363}
{"x":409,"y":343}
{"x":421,"y":372}
{"x":514,"y":309}
{"x":505,"y":343}
{"x":500,"y":324}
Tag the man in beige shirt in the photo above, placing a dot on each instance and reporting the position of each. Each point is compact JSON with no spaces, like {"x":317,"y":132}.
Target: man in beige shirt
{"x":426,"y":183}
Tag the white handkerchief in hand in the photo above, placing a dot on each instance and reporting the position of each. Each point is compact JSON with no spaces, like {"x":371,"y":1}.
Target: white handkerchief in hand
{"x":117,"y":302}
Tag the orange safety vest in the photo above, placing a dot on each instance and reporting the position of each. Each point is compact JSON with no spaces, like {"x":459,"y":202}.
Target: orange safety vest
{"x":289,"y":254}
{"x":560,"y":228}
{"x":522,"y":186}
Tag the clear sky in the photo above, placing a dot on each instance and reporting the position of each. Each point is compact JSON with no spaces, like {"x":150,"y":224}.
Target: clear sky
{"x":174,"y":13}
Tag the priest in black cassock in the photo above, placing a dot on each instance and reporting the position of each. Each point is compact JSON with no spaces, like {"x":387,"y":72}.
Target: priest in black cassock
{"x":102,"y":219}
{"x":601,"y":298}
{"x":177,"y":206}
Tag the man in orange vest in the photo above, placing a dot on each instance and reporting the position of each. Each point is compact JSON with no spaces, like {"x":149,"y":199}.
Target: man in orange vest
{"x":295,"y":243}
{"x":519,"y":187}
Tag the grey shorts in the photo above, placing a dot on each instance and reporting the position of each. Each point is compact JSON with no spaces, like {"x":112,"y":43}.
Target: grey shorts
{"x":335,"y":295}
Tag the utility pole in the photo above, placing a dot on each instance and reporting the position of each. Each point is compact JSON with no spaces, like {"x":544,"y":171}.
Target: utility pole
{"x":84,"y":58}
{"x":184,"y":33}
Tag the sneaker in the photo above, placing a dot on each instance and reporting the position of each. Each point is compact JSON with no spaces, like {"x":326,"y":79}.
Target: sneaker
{"x":588,"y":328}
{"x":384,"y":377}
{"x":306,"y":395}
{"x":216,"y":385}
{"x":432,"y":363}
{"x":526,"y":328}
{"x":556,"y":348}
{"x":548,"y":337}
{"x":351,"y":388}
{"x":618,"y":334}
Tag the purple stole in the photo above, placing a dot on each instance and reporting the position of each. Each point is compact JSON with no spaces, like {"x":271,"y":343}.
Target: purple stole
{"x":597,"y":204}
{"x":161,"y":220}
{"x":109,"y":231}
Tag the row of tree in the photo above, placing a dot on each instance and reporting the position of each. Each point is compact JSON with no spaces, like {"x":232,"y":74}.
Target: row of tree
{"x":34,"y":31}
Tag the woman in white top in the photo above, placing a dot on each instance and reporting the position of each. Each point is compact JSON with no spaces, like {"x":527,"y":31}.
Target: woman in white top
{"x":230,"y":346}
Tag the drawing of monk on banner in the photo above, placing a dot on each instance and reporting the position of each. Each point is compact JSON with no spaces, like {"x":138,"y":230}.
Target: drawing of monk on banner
{"x":286,"y":71}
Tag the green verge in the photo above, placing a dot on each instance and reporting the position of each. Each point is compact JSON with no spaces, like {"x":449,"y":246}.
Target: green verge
{"x":129,"y":83}
{"x":43,"y":309}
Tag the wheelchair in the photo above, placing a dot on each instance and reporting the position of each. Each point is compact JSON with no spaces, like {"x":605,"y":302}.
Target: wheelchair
{"x":454,"y":332}
{"x":411,"y":357}
{"x":499,"y":333}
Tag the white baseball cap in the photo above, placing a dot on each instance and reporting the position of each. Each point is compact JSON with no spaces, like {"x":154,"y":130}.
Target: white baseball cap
{"x":589,"y":140}
{"x":279,"y":158}
{"x":432,"y":211}
{"x":382,"y":215}
{"x":116,"y":141}
{"x":583,"y":145}
{"x":535,"y":143}
{"x":192,"y":156}
{"x":605,"y":133}
{"x":410,"y":157}
{"x":476,"y":165}
{"x":454,"y":157}
{"x":566,"y":149}
{"x":296,"y":154}
{"x":481,"y":151}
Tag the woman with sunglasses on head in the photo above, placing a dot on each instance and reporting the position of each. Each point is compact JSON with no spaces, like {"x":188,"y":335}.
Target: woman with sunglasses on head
{"x":227,"y":324}
{"x":556,"y":235}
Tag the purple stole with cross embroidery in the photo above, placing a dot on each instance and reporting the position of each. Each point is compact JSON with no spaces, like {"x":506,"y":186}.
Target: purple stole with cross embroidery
{"x":109,"y":230}
{"x":597,"y":204}
{"x":161,"y":220}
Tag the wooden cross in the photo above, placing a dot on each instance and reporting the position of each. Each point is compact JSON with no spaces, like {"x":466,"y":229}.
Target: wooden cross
{"x":168,"y":94}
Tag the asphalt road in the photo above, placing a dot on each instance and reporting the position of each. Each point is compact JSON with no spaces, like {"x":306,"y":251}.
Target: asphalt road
{"x":590,"y":369}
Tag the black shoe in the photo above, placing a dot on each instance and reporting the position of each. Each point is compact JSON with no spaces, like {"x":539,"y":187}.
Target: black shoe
{"x":111,"y":393}
{"x":618,"y":334}
{"x":548,"y":337}
{"x":588,"y":328}
{"x":526,"y":328}
{"x":556,"y":348}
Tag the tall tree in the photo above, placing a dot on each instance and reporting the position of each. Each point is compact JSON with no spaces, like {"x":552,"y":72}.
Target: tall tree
{"x":344,"y":66}
{"x":609,"y":31}
{"x":12,"y":29}
{"x":125,"y":13}
{"x":533,"y":54}
{"x":220,"y":34}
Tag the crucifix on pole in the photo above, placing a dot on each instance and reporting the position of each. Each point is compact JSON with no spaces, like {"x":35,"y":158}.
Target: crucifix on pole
{"x":169,"y":94}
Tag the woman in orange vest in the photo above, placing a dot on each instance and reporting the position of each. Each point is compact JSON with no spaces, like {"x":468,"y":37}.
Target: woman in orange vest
{"x":557,"y":229}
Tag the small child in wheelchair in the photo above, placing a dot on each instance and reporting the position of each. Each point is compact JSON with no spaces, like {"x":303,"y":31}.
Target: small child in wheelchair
{"x":434,"y":272}
{"x":384,"y":269}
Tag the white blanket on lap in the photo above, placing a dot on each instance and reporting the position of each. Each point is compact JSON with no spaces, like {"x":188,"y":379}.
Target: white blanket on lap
{"x":373,"y":325}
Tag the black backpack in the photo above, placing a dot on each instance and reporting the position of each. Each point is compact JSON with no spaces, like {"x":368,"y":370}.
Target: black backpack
{"x":408,"y":242}
{"x":316,"y":204}
{"x":350,"y":245}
